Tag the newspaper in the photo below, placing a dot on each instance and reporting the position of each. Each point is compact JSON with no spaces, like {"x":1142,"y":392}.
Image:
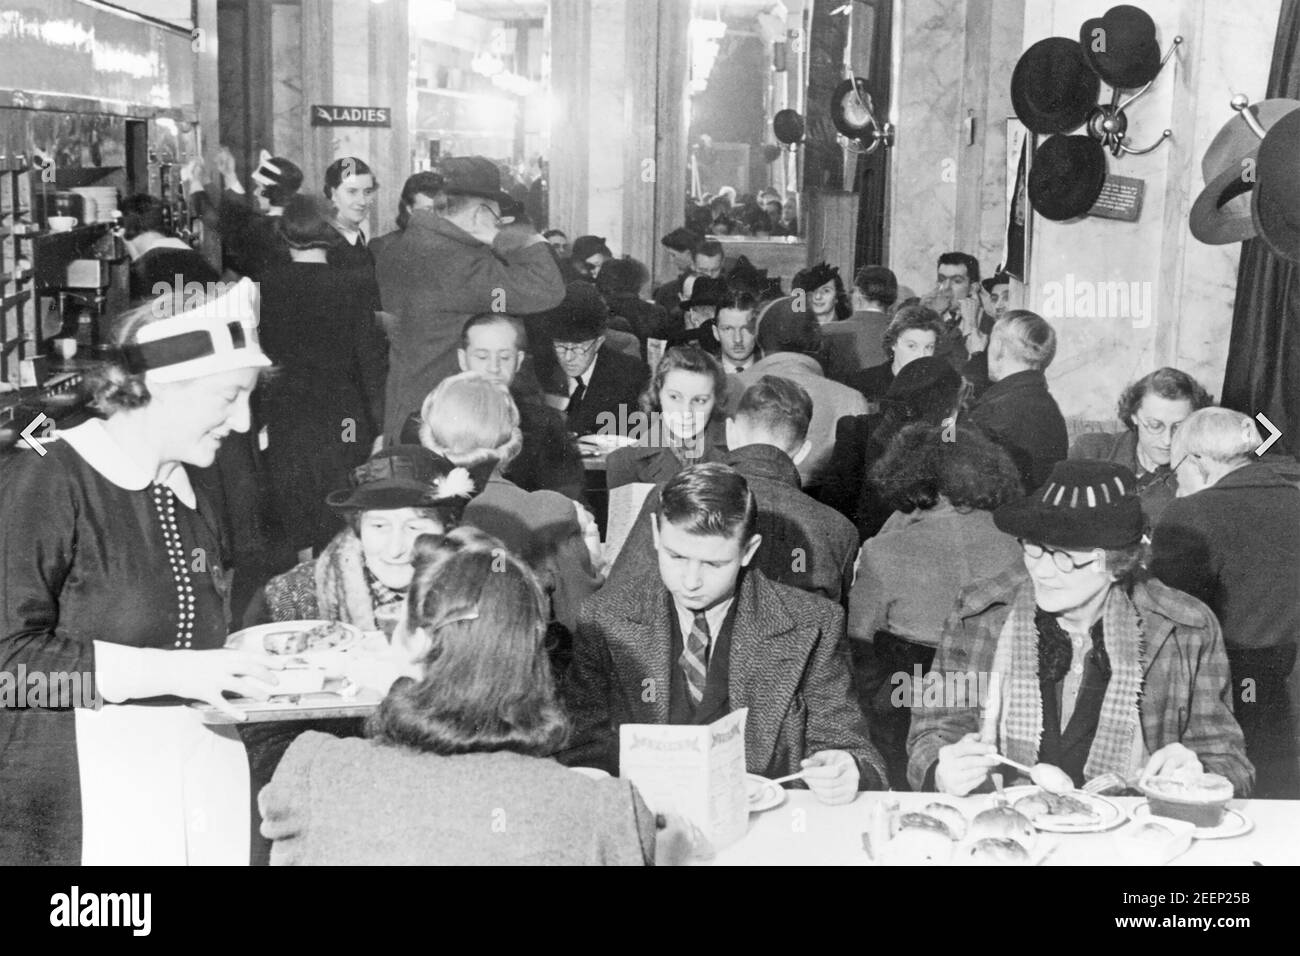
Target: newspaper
{"x":625,"y":503}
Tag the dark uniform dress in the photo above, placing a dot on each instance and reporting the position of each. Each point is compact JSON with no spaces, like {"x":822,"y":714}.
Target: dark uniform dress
{"x":324,"y":405}
{"x":93,"y":550}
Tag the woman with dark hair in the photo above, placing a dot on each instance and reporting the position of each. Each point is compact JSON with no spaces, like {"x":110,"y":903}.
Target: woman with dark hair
{"x":944,"y":482}
{"x":682,"y":405}
{"x":114,"y":586}
{"x":926,"y":391}
{"x":350,"y":187}
{"x":824,"y":293}
{"x":418,"y":192}
{"x":455,"y":760}
{"x":913,"y":332}
{"x":1151,"y":409}
{"x":324,"y":406}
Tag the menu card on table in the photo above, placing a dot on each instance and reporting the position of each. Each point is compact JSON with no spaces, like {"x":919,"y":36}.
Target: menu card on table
{"x":695,"y":771}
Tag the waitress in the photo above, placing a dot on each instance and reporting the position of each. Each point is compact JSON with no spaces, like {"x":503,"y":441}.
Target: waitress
{"x":350,"y":187}
{"x":111,"y":584}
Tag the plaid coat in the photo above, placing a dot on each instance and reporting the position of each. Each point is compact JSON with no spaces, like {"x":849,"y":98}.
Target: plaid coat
{"x":1186,"y":690}
{"x":788,"y":665}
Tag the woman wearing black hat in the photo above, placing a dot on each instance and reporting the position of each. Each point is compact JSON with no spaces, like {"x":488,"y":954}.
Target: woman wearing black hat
{"x":361,"y":578}
{"x":456,"y":769}
{"x":823,"y":293}
{"x":1088,"y":664}
{"x":324,"y":406}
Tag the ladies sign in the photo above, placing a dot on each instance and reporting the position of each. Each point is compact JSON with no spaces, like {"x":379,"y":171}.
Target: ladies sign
{"x":352,"y":116}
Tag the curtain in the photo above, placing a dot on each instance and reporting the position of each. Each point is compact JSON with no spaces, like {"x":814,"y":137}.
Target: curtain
{"x":1263,"y":372}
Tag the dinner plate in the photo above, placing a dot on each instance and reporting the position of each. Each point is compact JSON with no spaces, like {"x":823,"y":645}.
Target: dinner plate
{"x":763,"y":794}
{"x":1233,"y":824}
{"x":1108,"y":814}
{"x":253,"y":638}
{"x":603,"y":444}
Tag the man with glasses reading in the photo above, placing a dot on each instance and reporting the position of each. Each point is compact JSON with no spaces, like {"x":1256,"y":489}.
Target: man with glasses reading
{"x":1152,"y":409}
{"x":595,"y":378}
{"x":1086,"y":663}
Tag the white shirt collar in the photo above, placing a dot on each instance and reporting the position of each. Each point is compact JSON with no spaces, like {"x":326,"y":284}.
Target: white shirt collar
{"x":92,"y":441}
{"x":586,"y":376}
{"x":350,"y":234}
{"x":735,"y":368}
{"x":714,"y":615}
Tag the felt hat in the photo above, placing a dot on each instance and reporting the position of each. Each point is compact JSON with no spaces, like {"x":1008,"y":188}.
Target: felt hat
{"x":580,"y":317}
{"x":853,"y":116}
{"x":1222,"y":212}
{"x":1053,"y":90}
{"x":473,"y":176}
{"x":1085,"y":504}
{"x":276,"y":171}
{"x":406,"y":476}
{"x":1066,"y":176}
{"x":1276,"y":202}
{"x":1120,"y":47}
{"x":788,"y":127}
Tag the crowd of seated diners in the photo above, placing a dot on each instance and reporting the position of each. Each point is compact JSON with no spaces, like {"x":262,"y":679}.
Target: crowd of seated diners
{"x":840,"y":487}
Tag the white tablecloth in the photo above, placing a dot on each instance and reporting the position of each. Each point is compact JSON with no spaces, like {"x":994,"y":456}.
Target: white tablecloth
{"x":803,"y":831}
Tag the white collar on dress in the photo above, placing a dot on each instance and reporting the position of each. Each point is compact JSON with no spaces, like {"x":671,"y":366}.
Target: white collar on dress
{"x":92,"y":441}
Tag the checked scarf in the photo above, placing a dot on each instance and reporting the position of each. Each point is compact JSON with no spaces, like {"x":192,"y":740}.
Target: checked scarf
{"x":1117,"y":746}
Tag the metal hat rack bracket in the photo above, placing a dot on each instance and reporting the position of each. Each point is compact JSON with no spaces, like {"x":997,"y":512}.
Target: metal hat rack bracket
{"x":1241,"y":104}
{"x":1108,"y":123}
{"x":881,"y":133}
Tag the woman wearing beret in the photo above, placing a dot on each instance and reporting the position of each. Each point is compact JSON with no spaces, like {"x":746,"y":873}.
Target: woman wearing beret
{"x":454,"y":770}
{"x":112,"y":579}
{"x":1090,"y":664}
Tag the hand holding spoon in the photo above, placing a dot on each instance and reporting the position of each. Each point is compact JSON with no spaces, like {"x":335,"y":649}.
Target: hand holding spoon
{"x":1052,"y":779}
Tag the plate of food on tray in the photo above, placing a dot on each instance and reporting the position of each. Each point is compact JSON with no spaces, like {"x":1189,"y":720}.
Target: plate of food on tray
{"x":1074,"y":812}
{"x":303,"y":640}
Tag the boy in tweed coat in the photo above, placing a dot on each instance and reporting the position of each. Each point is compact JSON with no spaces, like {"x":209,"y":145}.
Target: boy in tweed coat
{"x":710,"y":634}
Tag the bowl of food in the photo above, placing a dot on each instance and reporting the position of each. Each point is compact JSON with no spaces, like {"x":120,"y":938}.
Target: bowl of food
{"x":1192,"y":795}
{"x":603,"y":444}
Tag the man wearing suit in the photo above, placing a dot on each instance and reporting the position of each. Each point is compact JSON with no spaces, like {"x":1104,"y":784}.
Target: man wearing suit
{"x":596,"y":378}
{"x":712,"y":635}
{"x":791,"y":344}
{"x":806,"y":544}
{"x":1017,"y":411}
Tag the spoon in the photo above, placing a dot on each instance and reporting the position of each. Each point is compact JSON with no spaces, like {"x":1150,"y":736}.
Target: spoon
{"x":1052,"y":779}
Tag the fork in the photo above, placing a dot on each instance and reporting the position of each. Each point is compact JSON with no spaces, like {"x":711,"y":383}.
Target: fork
{"x":1107,"y":781}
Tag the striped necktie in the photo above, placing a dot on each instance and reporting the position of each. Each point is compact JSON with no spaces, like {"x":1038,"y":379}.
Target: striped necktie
{"x":694,"y":661}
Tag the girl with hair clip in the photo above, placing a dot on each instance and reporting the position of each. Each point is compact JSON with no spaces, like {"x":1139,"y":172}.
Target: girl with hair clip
{"x":684,"y":419}
{"x":456,"y":754}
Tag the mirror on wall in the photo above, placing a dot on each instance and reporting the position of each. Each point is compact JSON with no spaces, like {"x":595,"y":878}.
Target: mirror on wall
{"x":747,"y":63}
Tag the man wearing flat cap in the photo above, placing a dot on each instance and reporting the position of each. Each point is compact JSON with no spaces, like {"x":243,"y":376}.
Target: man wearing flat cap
{"x":455,"y":260}
{"x":1090,"y":664}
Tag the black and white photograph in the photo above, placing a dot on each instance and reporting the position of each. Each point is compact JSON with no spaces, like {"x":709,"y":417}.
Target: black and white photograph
{"x":652,"y":433}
